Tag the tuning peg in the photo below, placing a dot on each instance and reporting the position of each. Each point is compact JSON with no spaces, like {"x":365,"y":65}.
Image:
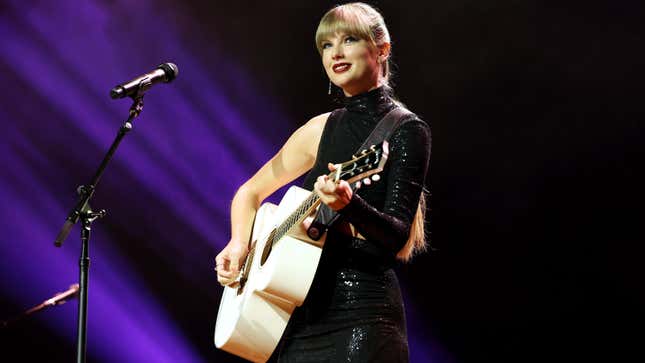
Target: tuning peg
{"x":367,"y":181}
{"x":358,"y":185}
{"x":376,"y":177}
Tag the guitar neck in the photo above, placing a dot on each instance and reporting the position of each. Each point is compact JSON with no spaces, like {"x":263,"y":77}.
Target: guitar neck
{"x":367,"y":163}
{"x":306,"y":208}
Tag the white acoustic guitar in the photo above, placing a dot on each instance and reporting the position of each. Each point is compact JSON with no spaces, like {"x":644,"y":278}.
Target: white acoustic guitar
{"x":278,"y":271}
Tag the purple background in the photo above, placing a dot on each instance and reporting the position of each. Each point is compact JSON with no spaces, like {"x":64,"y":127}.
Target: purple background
{"x":536,"y":141}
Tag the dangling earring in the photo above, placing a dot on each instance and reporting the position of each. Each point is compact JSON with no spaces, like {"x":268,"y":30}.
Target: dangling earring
{"x":329,"y":90}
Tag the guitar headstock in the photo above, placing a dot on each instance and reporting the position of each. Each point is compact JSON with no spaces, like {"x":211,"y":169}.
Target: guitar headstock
{"x":363,"y":165}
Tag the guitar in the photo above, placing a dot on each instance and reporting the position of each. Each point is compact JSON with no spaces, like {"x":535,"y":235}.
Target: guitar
{"x":280,"y":266}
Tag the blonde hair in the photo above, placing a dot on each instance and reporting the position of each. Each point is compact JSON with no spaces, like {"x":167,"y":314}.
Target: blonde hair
{"x":360,"y":20}
{"x":417,"y":240}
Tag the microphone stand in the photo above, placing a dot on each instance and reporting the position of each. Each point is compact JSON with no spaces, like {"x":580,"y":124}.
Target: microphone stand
{"x":83,"y":212}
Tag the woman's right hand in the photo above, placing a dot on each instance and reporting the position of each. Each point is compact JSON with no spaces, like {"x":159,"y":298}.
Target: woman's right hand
{"x":295,"y":157}
{"x":227,"y":262}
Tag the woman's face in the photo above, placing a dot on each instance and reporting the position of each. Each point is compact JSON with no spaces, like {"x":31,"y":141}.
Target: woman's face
{"x":351,"y":63}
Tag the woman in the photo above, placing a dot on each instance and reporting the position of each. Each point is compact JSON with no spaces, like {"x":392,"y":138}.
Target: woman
{"x":354,"y":310}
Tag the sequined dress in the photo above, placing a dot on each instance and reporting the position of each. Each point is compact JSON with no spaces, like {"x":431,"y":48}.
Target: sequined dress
{"x":354,"y":311}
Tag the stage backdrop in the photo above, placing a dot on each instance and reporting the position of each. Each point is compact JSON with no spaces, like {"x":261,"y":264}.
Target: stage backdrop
{"x":535,"y":115}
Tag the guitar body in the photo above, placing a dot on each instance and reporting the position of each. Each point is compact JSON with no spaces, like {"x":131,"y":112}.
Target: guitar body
{"x":280,"y":267}
{"x":254,"y":314}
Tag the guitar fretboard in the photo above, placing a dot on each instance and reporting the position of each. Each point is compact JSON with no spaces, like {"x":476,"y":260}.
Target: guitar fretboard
{"x":369,"y":162}
{"x":305,"y":208}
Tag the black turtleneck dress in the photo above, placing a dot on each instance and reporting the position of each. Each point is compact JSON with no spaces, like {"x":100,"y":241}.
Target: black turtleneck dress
{"x":354,"y":311}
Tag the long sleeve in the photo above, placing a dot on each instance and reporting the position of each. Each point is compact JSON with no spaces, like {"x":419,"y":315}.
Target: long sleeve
{"x":408,"y":165}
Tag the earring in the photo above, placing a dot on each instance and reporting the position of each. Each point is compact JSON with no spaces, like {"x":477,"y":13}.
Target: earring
{"x":329,"y":90}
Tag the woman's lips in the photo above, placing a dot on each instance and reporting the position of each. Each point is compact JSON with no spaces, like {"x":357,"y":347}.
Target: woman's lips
{"x":341,"y":67}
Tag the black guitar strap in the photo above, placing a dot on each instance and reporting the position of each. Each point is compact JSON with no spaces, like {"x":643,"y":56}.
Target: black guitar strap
{"x":326,"y":216}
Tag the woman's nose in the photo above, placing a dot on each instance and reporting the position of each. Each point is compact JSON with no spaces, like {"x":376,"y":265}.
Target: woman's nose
{"x":337,"y":52}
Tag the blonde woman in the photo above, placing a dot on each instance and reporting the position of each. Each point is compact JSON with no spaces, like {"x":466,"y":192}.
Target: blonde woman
{"x":354,"y":310}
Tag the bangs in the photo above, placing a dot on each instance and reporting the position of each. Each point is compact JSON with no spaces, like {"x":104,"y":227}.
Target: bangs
{"x":340,"y":21}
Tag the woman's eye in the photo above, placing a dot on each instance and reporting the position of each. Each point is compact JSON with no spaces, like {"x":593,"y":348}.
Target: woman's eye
{"x":350,"y":39}
{"x":326,"y":45}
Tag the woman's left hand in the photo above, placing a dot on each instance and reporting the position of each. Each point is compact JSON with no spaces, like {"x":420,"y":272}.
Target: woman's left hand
{"x":335,"y":194}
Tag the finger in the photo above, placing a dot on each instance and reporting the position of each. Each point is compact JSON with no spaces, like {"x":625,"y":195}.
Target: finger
{"x":226,"y":274}
{"x":234,"y":266}
{"x":224,"y":280}
{"x":344,"y":194}
{"x":221,"y":258}
{"x":220,"y":268}
{"x":322,"y":179}
{"x":325,"y":199}
{"x":343,"y":188}
{"x":222,"y":264}
{"x":331,"y":167}
{"x":330,"y":187}
{"x":226,"y":277}
{"x":323,"y":187}
{"x":230,"y":283}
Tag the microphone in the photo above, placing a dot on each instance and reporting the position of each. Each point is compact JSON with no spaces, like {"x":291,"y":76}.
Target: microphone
{"x":165,"y":72}
{"x":58,"y":299}
{"x":61,"y":297}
